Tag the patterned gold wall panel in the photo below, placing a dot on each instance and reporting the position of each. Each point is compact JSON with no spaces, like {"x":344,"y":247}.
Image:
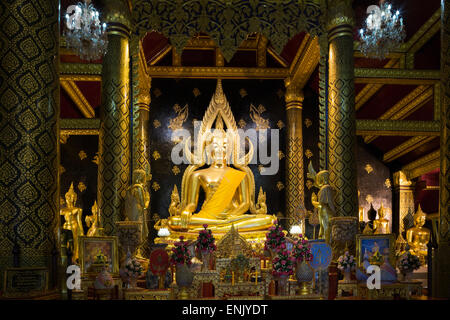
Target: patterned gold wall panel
{"x":114,"y":137}
{"x":29,"y":109}
{"x":342,"y":126}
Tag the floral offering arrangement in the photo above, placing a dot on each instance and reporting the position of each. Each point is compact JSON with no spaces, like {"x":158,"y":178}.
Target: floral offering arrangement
{"x":205,"y":240}
{"x":302,"y":250}
{"x":180,"y":253}
{"x":346,"y":261}
{"x":275,"y":239}
{"x":408,"y":263}
{"x":283,"y":264}
{"x":133,"y":268}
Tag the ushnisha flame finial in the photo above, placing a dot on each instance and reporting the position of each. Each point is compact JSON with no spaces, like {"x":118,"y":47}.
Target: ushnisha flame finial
{"x":219,"y":96}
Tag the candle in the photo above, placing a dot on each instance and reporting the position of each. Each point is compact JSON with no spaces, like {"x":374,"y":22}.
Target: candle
{"x":232,"y":278}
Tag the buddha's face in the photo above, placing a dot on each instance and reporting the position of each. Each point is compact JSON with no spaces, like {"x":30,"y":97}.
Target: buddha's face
{"x":219,"y":150}
{"x":71,"y":198}
{"x":419,"y":220}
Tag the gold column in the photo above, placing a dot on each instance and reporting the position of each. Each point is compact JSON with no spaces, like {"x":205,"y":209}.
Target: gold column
{"x":441,"y":287}
{"x":29,"y":113}
{"x":294,"y":154}
{"x":404,"y":202}
{"x":114,"y":137}
{"x":341,"y":112}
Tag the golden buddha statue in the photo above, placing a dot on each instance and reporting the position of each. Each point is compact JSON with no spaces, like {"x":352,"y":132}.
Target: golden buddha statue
{"x":381,"y":225}
{"x":72,"y":217}
{"x":229,"y":192}
{"x":137,"y":201}
{"x":323,"y":201}
{"x":93,"y":222}
{"x":418,"y":236}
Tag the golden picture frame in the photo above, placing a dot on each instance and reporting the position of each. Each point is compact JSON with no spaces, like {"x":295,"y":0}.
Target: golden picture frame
{"x":90,"y":247}
{"x":366,"y":245}
{"x":25,"y":282}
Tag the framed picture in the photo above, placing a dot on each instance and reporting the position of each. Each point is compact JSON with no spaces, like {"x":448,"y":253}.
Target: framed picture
{"x":367,"y":245}
{"x":91,"y":247}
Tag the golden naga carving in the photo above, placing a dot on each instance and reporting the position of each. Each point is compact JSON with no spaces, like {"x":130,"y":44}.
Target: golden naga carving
{"x":323,"y":201}
{"x":72,"y":217}
{"x":418,"y":236}
{"x":229,"y":192}
{"x":255,"y":115}
{"x":182,"y":114}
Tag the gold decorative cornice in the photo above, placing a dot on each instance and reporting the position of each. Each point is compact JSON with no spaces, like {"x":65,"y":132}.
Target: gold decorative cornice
{"x":76,"y":77}
{"x":78,"y":132}
{"x":117,"y":15}
{"x":422,"y":165}
{"x":396,"y":76}
{"x":437,"y":101}
{"x":78,"y":124}
{"x":294,"y":94}
{"x":81,"y":68}
{"x":277,"y":57}
{"x":305,"y":61}
{"x":412,"y":102}
{"x":400,"y":180}
{"x":370,"y":89}
{"x":406,"y":147}
{"x":425,"y":33}
{"x":220,"y":60}
{"x":78,"y":98}
{"x":261,"y":51}
{"x":217,"y":72}
{"x":397,"y":128}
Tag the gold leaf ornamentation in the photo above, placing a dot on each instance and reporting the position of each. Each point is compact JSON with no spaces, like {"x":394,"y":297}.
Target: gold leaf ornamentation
{"x":182,"y":114}
{"x":156,"y":155}
{"x":308,"y":153}
{"x":261,"y":168}
{"x":280,"y":185}
{"x":63,"y":138}
{"x":387,"y":183}
{"x":155,"y":186}
{"x":280,"y":154}
{"x":81,"y":186}
{"x":308,"y":122}
{"x":255,"y":115}
{"x":280,"y":93}
{"x":314,"y":218}
{"x":196,"y":92}
{"x":96,"y":159}
{"x":62,"y":201}
{"x":61,"y":169}
{"x":156,"y":123}
{"x":175,"y":170}
{"x":309,"y":184}
{"x":243,"y":92}
{"x":280,"y":124}
{"x":369,"y":198}
{"x":157,"y":92}
{"x":242,"y":124}
{"x":82,"y":155}
{"x":368,"y":168}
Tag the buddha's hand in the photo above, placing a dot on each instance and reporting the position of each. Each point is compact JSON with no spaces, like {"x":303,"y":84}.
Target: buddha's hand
{"x":185,"y":218}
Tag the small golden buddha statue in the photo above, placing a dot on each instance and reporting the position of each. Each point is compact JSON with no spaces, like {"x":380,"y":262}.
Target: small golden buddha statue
{"x":381,"y":225}
{"x":137,"y":201}
{"x":418,"y":236}
{"x":93,"y":222}
{"x":229,"y":192}
{"x":175,"y":203}
{"x":323,"y":201}
{"x":72,"y":217}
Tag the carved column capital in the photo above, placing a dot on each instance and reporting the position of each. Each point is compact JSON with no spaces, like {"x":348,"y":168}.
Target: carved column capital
{"x":294,"y":95}
{"x":340,"y":18}
{"x":117,"y":15}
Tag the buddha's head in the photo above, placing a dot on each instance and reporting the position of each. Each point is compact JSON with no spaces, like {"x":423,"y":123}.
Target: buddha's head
{"x":381,"y":212}
{"x":419,"y":218}
{"x":138,"y":176}
{"x":94,"y":208}
{"x":218,"y":147}
{"x":71,"y":197}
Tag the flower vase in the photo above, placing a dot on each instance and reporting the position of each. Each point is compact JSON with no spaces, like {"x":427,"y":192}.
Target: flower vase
{"x":304,"y":275}
{"x":205,"y":259}
{"x":347,"y":275}
{"x":404,"y":276}
{"x":184,"y":278}
{"x":132,"y":282}
{"x":282,"y":285}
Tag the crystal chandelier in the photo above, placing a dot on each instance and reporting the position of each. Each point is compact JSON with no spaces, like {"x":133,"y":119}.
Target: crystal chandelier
{"x":84,"y":34}
{"x":383,"y":33}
